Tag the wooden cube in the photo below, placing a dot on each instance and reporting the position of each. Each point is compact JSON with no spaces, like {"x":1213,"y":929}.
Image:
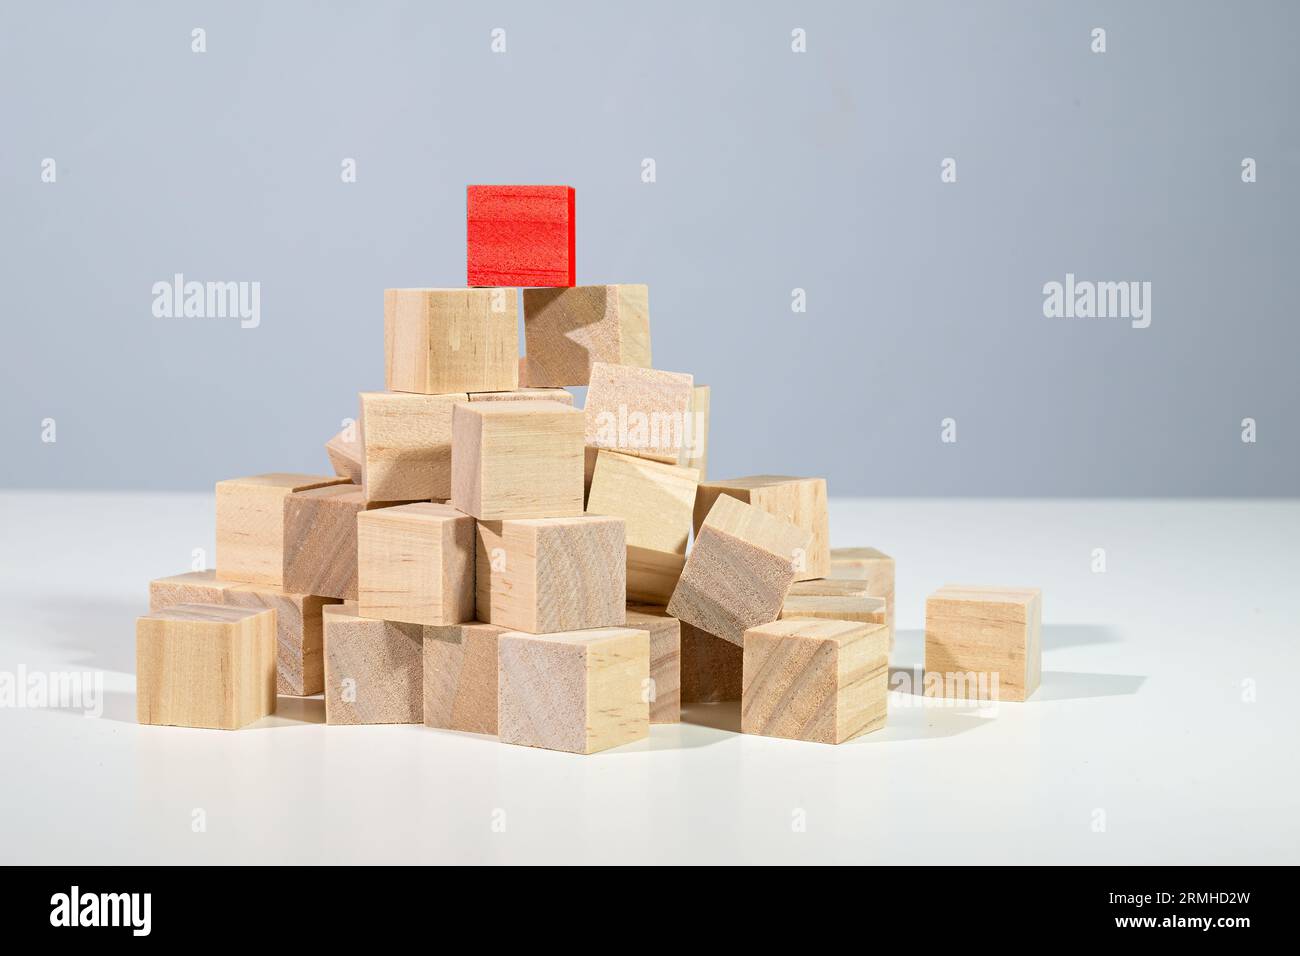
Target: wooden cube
{"x":374,"y":670}
{"x":822,"y":681}
{"x":869,"y":565}
{"x":578,"y":691}
{"x":800,"y":501}
{"x":517,"y":460}
{"x":344,"y":451}
{"x":569,"y":329}
{"x":250,"y":524}
{"x":695,"y":450}
{"x":320,"y":540}
{"x":451,"y":340}
{"x":544,"y":575}
{"x":406,"y":445}
{"x":519,"y":236}
{"x":522,"y":394}
{"x":739,"y":571}
{"x":416,"y":564}
{"x":654,"y":498}
{"x":299,"y":656}
{"x":460,"y":677}
{"x":638,"y":411}
{"x":711,"y":667}
{"x":863,"y":609}
{"x":205,"y":665}
{"x":983,"y":642}
{"x":652,"y":576}
{"x":665,"y":660}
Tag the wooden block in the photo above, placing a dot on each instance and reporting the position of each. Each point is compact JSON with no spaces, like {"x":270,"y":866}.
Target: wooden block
{"x":873,"y":567}
{"x":568,"y":329}
{"x":320,"y":540}
{"x":517,"y":460}
{"x":839,"y":607}
{"x":652,"y":576}
{"x":451,"y":340}
{"x":416,"y":564}
{"x":695,"y":450}
{"x":665,"y":660}
{"x":205,"y":665}
{"x":638,"y":411}
{"x":832,"y":597}
{"x":460,"y":677}
{"x":654,"y":498}
{"x":250,"y":524}
{"x":711,"y":667}
{"x":831,"y":587}
{"x":519,"y":236}
{"x":983,"y":642}
{"x":523,"y":371}
{"x":344,"y":451}
{"x":739,"y":571}
{"x":299,"y":654}
{"x":525,"y":395}
{"x":579,"y":691}
{"x":823,"y":681}
{"x":406,"y":445}
{"x":865,"y":610}
{"x":374,"y":670}
{"x":800,"y":501}
{"x":545,"y":575}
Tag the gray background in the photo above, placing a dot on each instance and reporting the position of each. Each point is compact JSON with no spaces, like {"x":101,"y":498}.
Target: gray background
{"x":775,"y":171}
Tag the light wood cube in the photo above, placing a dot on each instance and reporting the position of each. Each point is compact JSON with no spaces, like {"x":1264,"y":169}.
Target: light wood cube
{"x":451,"y":340}
{"x":739,"y":571}
{"x":406,"y":445}
{"x":711,"y":667}
{"x":983,"y":642}
{"x":299,"y":658}
{"x":578,"y":691}
{"x":320,"y":540}
{"x":460,"y":677}
{"x":568,"y":329}
{"x":839,"y":607}
{"x":416,"y":564}
{"x":374,"y":670}
{"x":638,"y":411}
{"x":665,"y":660}
{"x":517,"y":460}
{"x":869,"y":565}
{"x":344,"y":451}
{"x":205,"y":665}
{"x":250,"y":524}
{"x":522,"y":394}
{"x":800,"y":501}
{"x":822,"y":681}
{"x":652,"y":576}
{"x":654,"y":498}
{"x":695,"y":450}
{"x":544,"y":575}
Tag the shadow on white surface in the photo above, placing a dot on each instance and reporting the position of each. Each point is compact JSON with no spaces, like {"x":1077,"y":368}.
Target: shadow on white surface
{"x":96,"y":633}
{"x":1080,"y":685}
{"x":1055,"y":685}
{"x":922,"y":723}
{"x":119,"y":706}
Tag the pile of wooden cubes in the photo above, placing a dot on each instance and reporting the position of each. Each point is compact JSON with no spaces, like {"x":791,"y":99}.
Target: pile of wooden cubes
{"x":488,"y":558}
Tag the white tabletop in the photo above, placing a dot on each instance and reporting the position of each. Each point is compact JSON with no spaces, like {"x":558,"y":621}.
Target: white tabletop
{"x":1163,"y":731}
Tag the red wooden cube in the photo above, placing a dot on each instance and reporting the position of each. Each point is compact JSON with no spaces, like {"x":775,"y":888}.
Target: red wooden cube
{"x":520,"y":236}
